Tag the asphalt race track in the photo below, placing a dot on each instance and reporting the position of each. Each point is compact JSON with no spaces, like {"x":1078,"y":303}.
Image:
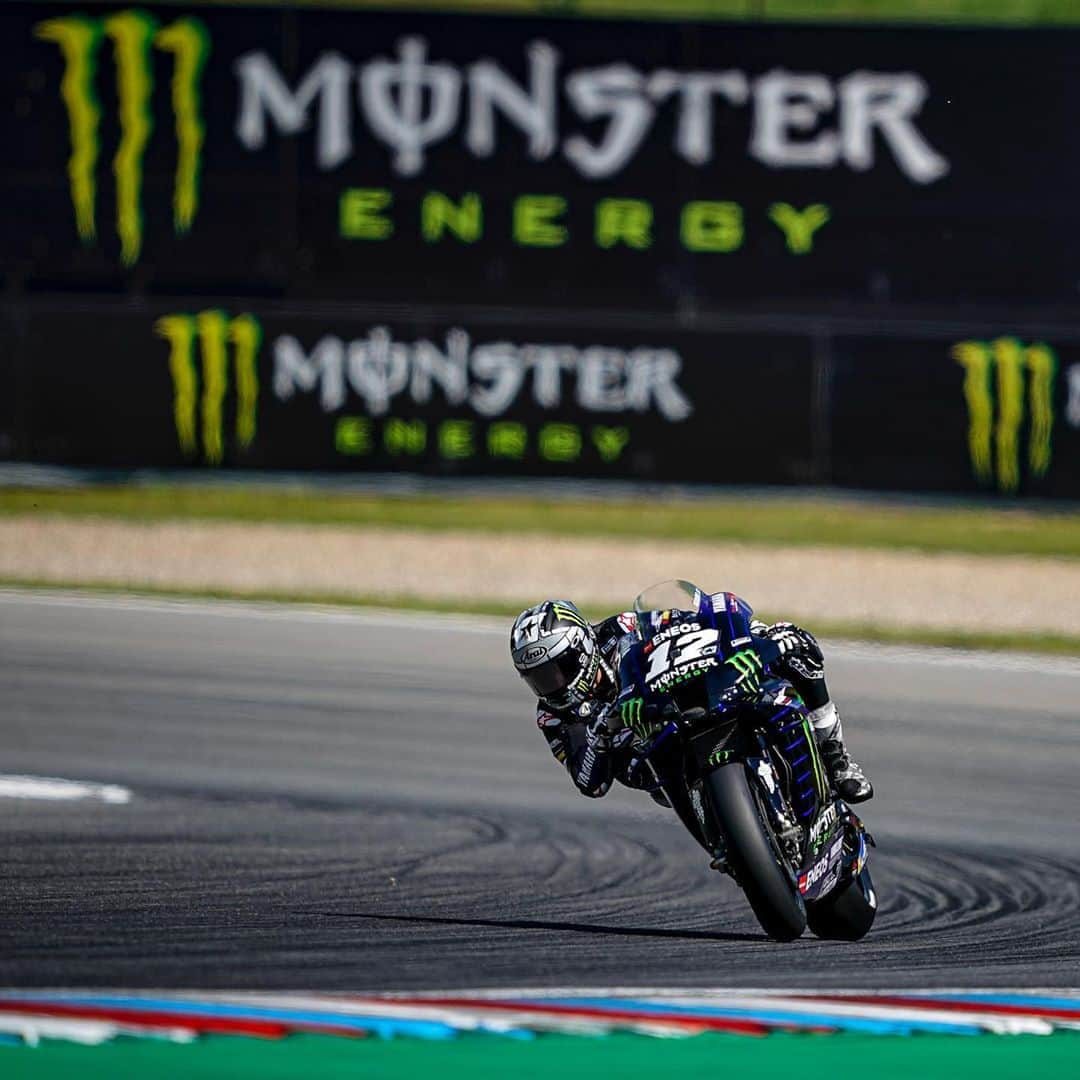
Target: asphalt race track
{"x":332,"y":800}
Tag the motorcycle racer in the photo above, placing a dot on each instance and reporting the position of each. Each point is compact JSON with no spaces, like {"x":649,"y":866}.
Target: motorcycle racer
{"x":571,"y":665}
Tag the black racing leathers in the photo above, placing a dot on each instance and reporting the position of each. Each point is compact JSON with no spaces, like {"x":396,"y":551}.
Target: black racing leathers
{"x":578,"y":737}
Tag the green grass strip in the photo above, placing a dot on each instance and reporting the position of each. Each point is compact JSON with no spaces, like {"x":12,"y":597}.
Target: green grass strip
{"x":765,"y":520}
{"x":917,"y":12}
{"x":472,"y":1057}
{"x":925,"y":12}
{"x":1050,"y":644}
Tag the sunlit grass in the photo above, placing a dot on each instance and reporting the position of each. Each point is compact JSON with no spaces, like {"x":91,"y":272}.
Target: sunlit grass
{"x":771,"y":520}
{"x":932,"y":12}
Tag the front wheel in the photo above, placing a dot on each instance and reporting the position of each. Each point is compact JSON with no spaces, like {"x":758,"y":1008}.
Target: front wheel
{"x":754,"y":855}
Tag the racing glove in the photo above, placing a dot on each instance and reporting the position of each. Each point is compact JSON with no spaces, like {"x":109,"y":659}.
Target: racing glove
{"x":790,"y":639}
{"x":598,"y":732}
{"x":800,"y":657}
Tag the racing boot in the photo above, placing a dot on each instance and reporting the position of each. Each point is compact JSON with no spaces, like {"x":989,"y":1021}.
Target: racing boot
{"x":847,"y":777}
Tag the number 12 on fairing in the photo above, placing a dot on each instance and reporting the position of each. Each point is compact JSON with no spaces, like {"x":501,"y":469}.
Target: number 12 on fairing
{"x":677,"y":652}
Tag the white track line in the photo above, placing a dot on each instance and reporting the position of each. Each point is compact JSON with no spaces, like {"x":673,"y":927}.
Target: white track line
{"x":702,"y":992}
{"x":937,"y":656}
{"x":55,"y":789}
{"x":260,"y":609}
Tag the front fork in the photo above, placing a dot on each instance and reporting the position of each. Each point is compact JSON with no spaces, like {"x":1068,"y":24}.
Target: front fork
{"x":765,"y":780}
{"x":782,"y":816}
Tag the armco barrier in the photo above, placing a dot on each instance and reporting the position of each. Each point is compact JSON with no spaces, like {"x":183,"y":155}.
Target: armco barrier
{"x":330,"y":239}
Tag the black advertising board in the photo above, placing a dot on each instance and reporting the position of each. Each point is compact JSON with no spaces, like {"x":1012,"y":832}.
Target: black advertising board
{"x":279,"y":388}
{"x":966,"y":412}
{"x":519,"y":162}
{"x":477,"y":245}
{"x":173,"y":383}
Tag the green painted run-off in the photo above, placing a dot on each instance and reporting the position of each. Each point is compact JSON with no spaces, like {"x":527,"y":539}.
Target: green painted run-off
{"x":478,"y":1057}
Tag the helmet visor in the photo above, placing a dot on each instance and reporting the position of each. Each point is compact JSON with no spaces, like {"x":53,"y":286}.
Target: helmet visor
{"x":551,"y":678}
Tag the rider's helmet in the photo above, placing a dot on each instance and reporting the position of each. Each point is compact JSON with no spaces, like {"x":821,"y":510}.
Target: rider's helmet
{"x":556,"y":652}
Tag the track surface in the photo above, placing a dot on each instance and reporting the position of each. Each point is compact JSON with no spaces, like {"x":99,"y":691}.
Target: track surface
{"x":335,"y":800}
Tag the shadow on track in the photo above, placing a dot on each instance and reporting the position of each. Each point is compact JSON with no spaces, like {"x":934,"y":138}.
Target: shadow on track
{"x":537,"y":924}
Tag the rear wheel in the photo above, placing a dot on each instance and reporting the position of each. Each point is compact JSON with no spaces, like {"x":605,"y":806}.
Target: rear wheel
{"x":753,"y":852}
{"x":847,"y":914}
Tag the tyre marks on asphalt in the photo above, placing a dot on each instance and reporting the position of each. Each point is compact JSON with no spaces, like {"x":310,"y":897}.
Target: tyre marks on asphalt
{"x":318,"y":805}
{"x":225,"y":893}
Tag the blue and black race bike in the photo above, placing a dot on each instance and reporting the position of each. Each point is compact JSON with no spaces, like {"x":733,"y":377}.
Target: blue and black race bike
{"x":729,"y":744}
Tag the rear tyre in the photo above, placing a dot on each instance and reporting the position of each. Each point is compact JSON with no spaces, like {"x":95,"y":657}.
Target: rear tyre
{"x":754,"y":854}
{"x":848,"y":914}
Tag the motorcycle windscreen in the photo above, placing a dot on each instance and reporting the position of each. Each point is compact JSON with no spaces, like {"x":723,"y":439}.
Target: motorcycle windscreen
{"x":674,"y":595}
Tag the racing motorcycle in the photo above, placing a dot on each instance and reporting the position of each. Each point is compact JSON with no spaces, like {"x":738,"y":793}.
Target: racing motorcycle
{"x":730,"y":747}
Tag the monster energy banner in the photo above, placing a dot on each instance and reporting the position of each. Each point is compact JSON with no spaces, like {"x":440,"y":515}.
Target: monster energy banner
{"x":670,"y":167}
{"x":276,"y":387}
{"x":325,"y":239}
{"x":270,"y":388}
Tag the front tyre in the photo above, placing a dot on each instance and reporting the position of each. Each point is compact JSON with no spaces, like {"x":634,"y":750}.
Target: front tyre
{"x":754,"y":854}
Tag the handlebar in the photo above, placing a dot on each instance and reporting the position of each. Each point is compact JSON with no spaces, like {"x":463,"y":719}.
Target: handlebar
{"x":665,"y":732}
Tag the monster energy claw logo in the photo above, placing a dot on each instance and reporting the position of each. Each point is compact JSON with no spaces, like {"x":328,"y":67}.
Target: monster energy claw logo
{"x":995,"y":441}
{"x":631,"y":714}
{"x":748,"y":664}
{"x":568,"y":614}
{"x":214,"y":331}
{"x":133,"y":35}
